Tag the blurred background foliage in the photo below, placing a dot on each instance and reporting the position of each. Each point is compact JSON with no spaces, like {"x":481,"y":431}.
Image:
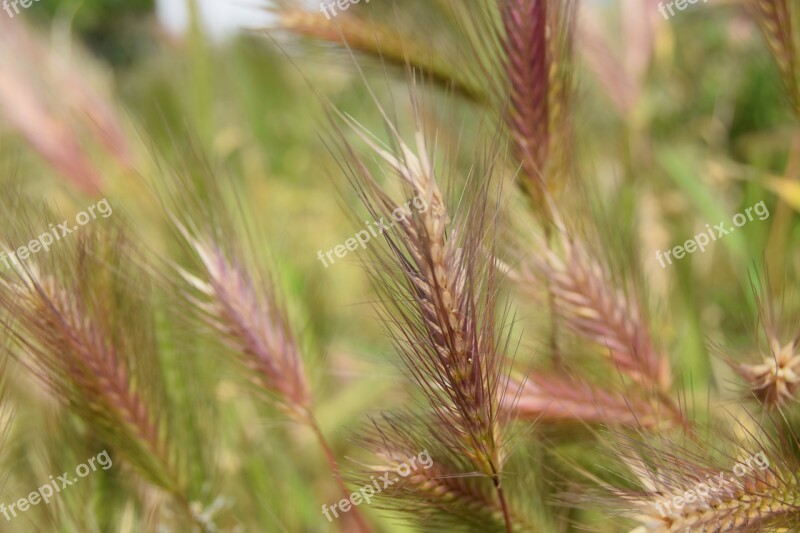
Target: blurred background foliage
{"x":704,"y":132}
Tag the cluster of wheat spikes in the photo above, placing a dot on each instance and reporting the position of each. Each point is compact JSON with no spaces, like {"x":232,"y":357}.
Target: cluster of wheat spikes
{"x":113,"y":334}
{"x":89,"y":342}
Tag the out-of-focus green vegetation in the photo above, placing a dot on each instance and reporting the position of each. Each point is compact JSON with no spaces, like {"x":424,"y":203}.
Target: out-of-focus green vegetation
{"x":709,"y":134}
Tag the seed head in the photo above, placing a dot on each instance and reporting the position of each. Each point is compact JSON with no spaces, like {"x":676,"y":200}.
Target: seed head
{"x":775,"y":380}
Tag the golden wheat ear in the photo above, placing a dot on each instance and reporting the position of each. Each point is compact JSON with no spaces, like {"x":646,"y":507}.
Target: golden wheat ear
{"x":251,"y":324}
{"x":238,"y":304}
{"x":439,"y":286}
{"x":537,"y":44}
{"x":587,"y":299}
{"x":734,"y":484}
{"x":524,"y":49}
{"x":80,"y":322}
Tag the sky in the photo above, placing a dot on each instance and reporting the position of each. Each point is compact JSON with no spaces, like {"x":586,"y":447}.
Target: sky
{"x":220,"y":17}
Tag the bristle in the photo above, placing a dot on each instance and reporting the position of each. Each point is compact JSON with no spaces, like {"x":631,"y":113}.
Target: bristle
{"x":440,"y":493}
{"x":7,"y":411}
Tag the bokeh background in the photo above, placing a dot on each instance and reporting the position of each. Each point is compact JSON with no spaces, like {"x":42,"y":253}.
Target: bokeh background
{"x":679,"y":123}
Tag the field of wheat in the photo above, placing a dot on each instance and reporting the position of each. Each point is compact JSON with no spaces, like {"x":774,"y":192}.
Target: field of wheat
{"x":400,"y":265}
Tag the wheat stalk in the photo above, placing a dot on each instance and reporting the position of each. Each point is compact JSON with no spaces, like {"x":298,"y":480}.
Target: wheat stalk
{"x":381,"y":41}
